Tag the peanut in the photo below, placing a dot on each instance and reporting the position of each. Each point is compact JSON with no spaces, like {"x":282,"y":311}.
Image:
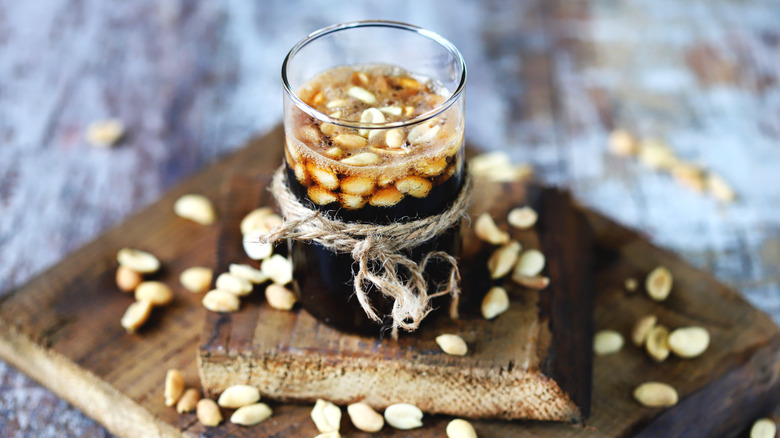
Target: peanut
{"x":365,"y":418}
{"x":254,"y":249}
{"x":394,"y":138}
{"x":404,"y":416}
{"x":248,"y":273}
{"x":659,"y":283}
{"x":362,"y":94}
{"x":255,"y":219}
{"x":279,"y":297}
{"x":251,"y":414}
{"x":196,"y":279}
{"x":236,"y":396}
{"x":496,"y":302}
{"x":452,"y":344}
{"x":208,"y":412}
{"x":689,"y":342}
{"x":657,"y":343}
{"x":487,"y":230}
{"x":538,"y":282}
{"x":196,"y":208}
{"x":530,"y":264}
{"x":105,"y":133}
{"x":763,"y":428}
{"x":459,"y":428}
{"x":188,"y":401}
{"x":278,"y":268}
{"x":136,"y":315}
{"x":630,"y":284}
{"x":622,"y":143}
{"x":234,"y":284}
{"x":656,"y":395}
{"x":522,"y":218}
{"x":719,"y":188}
{"x":642,"y":329}
{"x":503,"y":259}
{"x":607,"y":342}
{"x":155,"y":292}
{"x":326,"y":416}
{"x":362,"y":159}
{"x":137,"y":260}
{"x":127,"y":279}
{"x":174,"y":387}
{"x":221,"y":301}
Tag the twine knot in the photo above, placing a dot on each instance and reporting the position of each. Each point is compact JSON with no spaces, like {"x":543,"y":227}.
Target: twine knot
{"x":380,"y":252}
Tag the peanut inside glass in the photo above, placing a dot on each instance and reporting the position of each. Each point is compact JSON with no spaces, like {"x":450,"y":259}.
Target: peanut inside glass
{"x":374,"y":124}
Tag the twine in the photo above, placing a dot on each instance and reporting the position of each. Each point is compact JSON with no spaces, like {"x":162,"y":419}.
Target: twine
{"x":379,"y":252}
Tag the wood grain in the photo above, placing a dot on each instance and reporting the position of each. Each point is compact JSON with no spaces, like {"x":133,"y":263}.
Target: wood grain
{"x":194,"y":81}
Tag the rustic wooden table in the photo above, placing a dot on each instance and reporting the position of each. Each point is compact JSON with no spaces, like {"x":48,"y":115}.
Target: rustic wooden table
{"x":548,"y":81}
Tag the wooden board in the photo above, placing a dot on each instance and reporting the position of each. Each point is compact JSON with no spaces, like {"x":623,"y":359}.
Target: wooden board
{"x":533,"y":362}
{"x":62,"y":329}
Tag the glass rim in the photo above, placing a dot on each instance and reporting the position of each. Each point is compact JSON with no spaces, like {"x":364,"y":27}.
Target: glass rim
{"x":303,"y":106}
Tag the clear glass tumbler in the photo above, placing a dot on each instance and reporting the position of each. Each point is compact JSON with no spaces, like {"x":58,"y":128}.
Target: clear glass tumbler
{"x":374,"y":122}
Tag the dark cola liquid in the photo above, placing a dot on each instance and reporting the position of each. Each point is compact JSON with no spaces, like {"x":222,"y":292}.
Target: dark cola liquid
{"x":324,"y":280}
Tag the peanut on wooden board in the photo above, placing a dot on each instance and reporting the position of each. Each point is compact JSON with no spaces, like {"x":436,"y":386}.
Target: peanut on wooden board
{"x":689,"y":342}
{"x":326,"y":416}
{"x":251,"y":414}
{"x":452,"y":344}
{"x":459,"y":428}
{"x":656,"y":395}
{"x":495,"y":302}
{"x":254,"y":249}
{"x":155,"y":292}
{"x":503,"y":259}
{"x":763,"y":428}
{"x":196,"y":279}
{"x":333,"y":434}
{"x":233,"y":284}
{"x":607,"y":342}
{"x":196,"y":208}
{"x":631,"y":284}
{"x":221,"y":301}
{"x":538,"y":282}
{"x":365,"y":418}
{"x":657,"y":343}
{"x":530,"y":264}
{"x":136,"y":315}
{"x":278,"y":268}
{"x":487,"y":230}
{"x":522,"y":218}
{"x":257,"y":219}
{"x":188,"y":401}
{"x":174,"y":387}
{"x":404,"y":416}
{"x":248,"y":273}
{"x":137,"y":260}
{"x":208,"y":412}
{"x":642,"y":329}
{"x":659,"y":283}
{"x":279,"y":297}
{"x":127,"y":279}
{"x":237,"y":396}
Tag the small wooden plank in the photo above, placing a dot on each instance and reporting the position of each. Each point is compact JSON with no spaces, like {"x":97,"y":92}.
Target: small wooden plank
{"x":62,"y":330}
{"x":507,"y":373}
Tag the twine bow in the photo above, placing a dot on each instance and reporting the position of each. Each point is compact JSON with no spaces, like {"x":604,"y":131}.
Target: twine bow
{"x":379,"y":251}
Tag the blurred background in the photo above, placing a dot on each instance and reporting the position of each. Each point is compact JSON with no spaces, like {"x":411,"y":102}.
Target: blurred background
{"x":548,"y":83}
